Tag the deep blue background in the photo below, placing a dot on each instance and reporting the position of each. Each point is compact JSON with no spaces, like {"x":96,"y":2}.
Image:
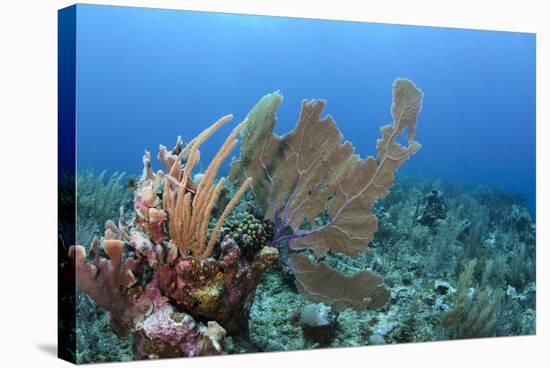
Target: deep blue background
{"x":145,"y":76}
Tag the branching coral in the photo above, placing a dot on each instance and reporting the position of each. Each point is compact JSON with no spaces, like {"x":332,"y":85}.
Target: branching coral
{"x":111,"y":283}
{"x":188,"y":207}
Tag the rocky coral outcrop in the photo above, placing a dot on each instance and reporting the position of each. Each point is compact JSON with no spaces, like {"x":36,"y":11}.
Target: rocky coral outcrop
{"x":319,"y":323}
{"x":167,"y":333}
{"x":217,"y":290}
{"x":166,"y":269}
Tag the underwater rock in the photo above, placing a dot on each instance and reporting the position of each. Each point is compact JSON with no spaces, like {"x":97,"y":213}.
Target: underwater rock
{"x":463,"y":229}
{"x":169,"y":334}
{"x":376,"y":340}
{"x":319,"y":323}
{"x":384,"y":328}
{"x":217,"y":290}
{"x":434,"y":208}
{"x":511,"y":292}
{"x":442,"y":287}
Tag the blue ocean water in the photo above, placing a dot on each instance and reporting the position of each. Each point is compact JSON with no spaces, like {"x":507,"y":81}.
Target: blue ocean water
{"x":145,"y":76}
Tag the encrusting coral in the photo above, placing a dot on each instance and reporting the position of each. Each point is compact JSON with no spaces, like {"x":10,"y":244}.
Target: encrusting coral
{"x":180,"y":287}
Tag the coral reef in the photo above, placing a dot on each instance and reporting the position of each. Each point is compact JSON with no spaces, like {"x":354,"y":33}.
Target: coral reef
{"x":186,"y":271}
{"x":220,"y":290}
{"x":423,"y":291}
{"x":402,"y":252}
{"x":159,"y":262}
